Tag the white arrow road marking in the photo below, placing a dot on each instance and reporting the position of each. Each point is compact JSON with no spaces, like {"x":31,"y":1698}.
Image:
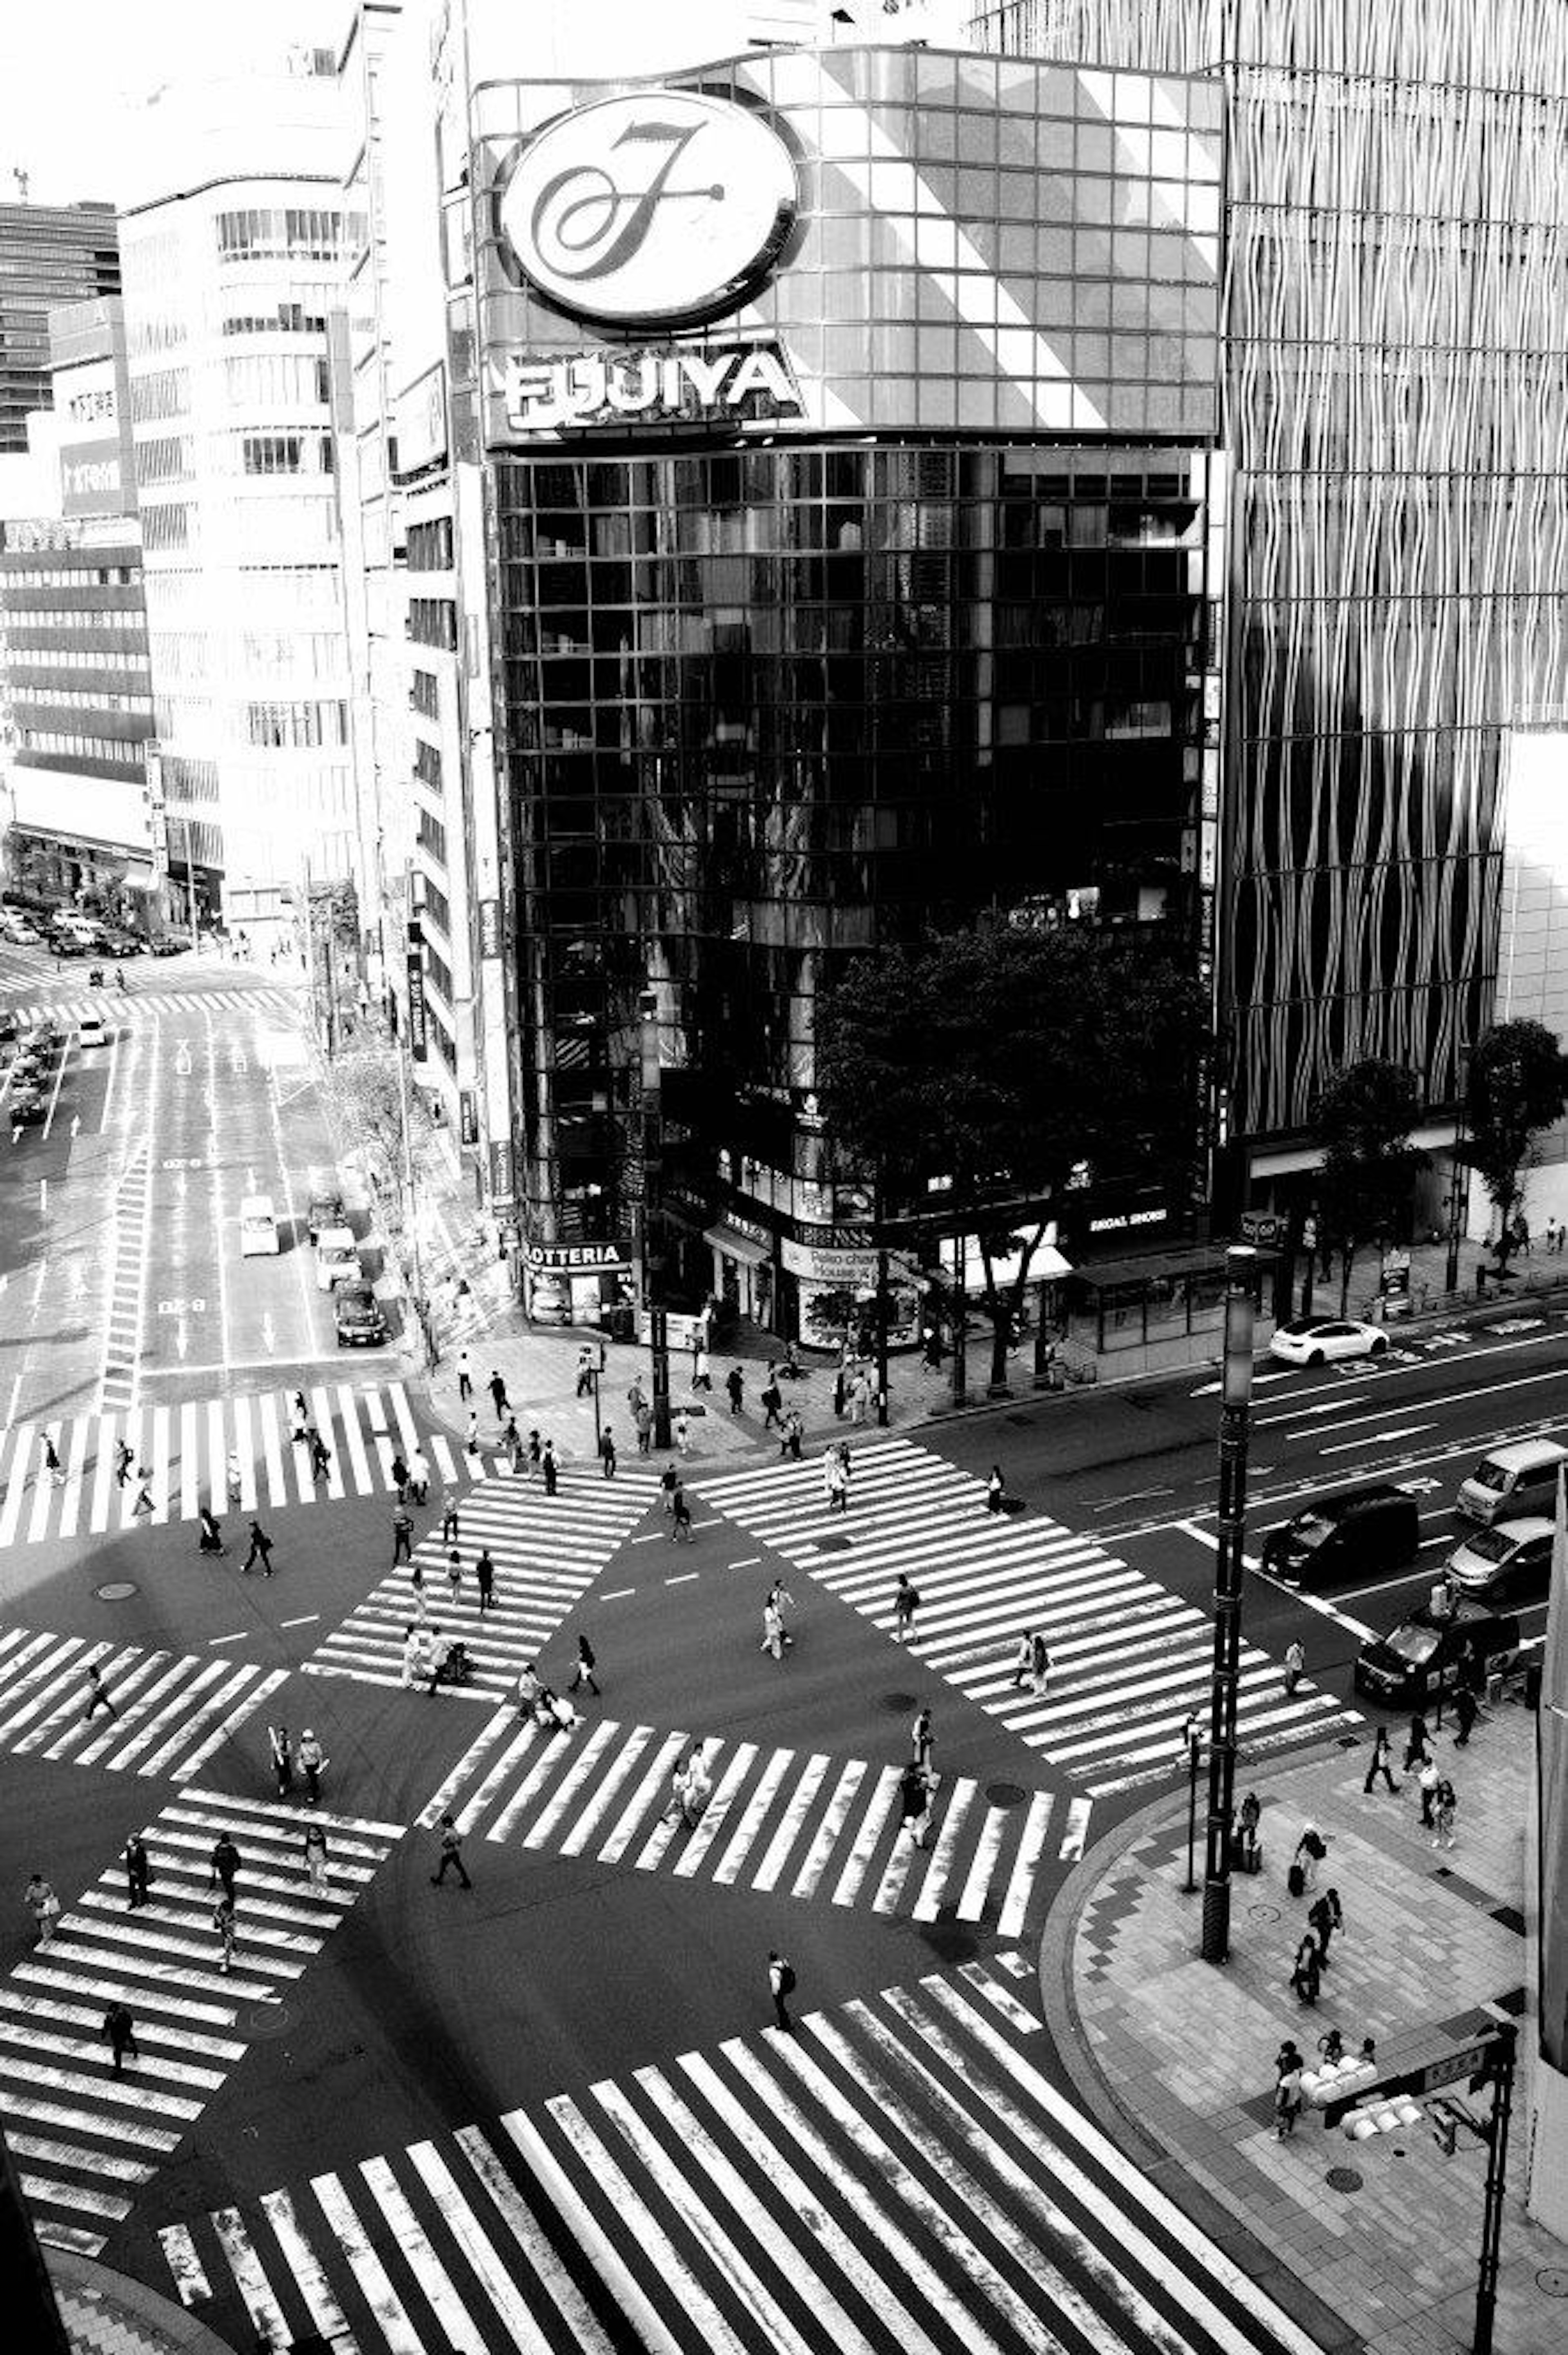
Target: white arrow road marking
{"x":182,"y":1341}
{"x":75,"y":1124}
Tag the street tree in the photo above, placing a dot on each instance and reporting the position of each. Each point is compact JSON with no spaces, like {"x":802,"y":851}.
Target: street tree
{"x":365,"y":1106}
{"x":1363,"y":1119}
{"x":1517,"y":1086}
{"x":1002,"y":1064}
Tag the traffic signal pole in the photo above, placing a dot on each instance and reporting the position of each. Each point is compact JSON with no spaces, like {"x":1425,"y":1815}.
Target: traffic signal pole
{"x":1235,"y":1431}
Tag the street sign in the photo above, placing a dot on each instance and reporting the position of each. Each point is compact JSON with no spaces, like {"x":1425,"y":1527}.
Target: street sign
{"x":1263,"y":1227}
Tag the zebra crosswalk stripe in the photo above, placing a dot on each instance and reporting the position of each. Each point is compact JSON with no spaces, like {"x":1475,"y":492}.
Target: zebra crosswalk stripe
{"x":1128,"y":1657}
{"x":171,"y":1711}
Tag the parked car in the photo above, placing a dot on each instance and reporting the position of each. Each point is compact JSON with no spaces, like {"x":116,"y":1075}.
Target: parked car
{"x":25,"y":1105}
{"x":1322,"y":1340}
{"x":31,"y":1068}
{"x":10,"y":1030}
{"x":325,"y":1211}
{"x":1428,"y":1653}
{"x":337,"y":1259}
{"x":167,"y":945}
{"x":22,"y":931}
{"x":358,"y":1318}
{"x":117,"y":944}
{"x":1521,"y":1477}
{"x":1360,"y":1533}
{"x":1511,"y":1558}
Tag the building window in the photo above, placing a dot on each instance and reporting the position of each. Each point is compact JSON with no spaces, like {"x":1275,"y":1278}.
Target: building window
{"x":425,"y":695}
{"x":430,"y":546}
{"x":433,"y":837}
{"x":428,"y":766}
{"x":294,"y":726}
{"x":432,"y":622}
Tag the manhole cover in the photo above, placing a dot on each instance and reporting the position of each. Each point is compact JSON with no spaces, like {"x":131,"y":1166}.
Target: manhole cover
{"x":117,"y":1590}
{"x":1006,"y":1795}
{"x":1553,"y":2281}
{"x":266,"y":2019}
{"x":1342,"y":2178}
{"x":1263,"y":1913}
{"x":900,"y":1701}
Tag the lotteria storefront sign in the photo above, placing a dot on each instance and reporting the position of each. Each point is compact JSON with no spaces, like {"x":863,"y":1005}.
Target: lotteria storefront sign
{"x":737,"y":383}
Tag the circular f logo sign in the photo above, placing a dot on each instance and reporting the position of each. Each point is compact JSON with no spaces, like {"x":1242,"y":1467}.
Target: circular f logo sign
{"x":660,"y":209}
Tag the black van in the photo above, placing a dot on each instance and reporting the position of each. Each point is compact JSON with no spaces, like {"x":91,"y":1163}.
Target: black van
{"x":1357,"y":1535}
{"x":1431,"y":1652}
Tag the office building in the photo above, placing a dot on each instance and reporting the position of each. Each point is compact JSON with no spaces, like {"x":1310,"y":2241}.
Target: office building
{"x":49,"y":254}
{"x":850,"y":545}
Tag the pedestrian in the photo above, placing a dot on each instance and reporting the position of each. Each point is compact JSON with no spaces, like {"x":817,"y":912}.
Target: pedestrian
{"x":995,"y":1490}
{"x":440,"y":1656}
{"x":840,"y":1388}
{"x":794,"y":1434}
{"x":835,"y":1479}
{"x":676,"y":1809}
{"x":497,"y":1387}
{"x":300,"y":1416}
{"x":584,"y":1671}
{"x":642,"y":1423}
{"x":1311,"y":1850}
{"x":1428,"y":1780}
{"x":1324,"y":1918}
{"x":320,"y":1454}
{"x":772,"y":1630}
{"x":682,"y":1428}
{"x":454,"y":1574}
{"x":282,"y":1758}
{"x":780,"y":1596}
{"x":586,"y":1370}
{"x":550,"y":1468}
{"x":1465,"y":1714}
{"x":415,"y":1655}
{"x":402,"y":1535}
{"x":1331,"y":2047}
{"x":780,"y":1985}
{"x":1552,"y":1232}
{"x":607,"y":1452}
{"x":1306,"y":1975}
{"x":209,"y":1538}
{"x":697,"y":1785}
{"x":773,"y":1403}
{"x":536,"y":1455}
{"x":922,"y":1738}
{"x":681,"y":1519}
{"x":1521,"y":1234}
{"x":634,"y":1398}
{"x":1250,"y":1817}
{"x":260,"y":1550}
{"x":450,"y":1529}
{"x":1418,"y":1745}
{"x":53,"y":1468}
{"x":465,"y":1377}
{"x":225,"y":1864}
{"x":734,"y":1383}
{"x":223,"y":1923}
{"x":556,"y":1714}
{"x":315,"y":1854}
{"x":1288,"y":2066}
{"x":906,"y":1603}
{"x":470,"y":1436}
{"x":485,"y":1577}
{"x":144,"y":1501}
{"x":120,"y":2032}
{"x":1380,"y":1762}
{"x":527,"y":1690}
{"x":702,"y":1373}
{"x":451,"y":1854}
{"x":138,"y":1871}
{"x":96,"y":1696}
{"x":512,"y":1440}
{"x":233,"y":1479}
{"x":44,"y":1905}
{"x":122,"y":1463}
{"x":1295,"y":1668}
{"x":313,"y":1765}
{"x":419,"y":1476}
{"x":1445,"y":1808}
{"x":1039,"y":1664}
{"x":914,"y":1803}
{"x":669,"y":1481}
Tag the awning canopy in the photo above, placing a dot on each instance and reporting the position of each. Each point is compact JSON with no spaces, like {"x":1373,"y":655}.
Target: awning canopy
{"x":735,"y":1246}
{"x":1156,"y":1266}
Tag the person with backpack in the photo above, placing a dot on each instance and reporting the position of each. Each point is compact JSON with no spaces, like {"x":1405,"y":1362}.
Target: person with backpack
{"x":906,"y":1603}
{"x":780,"y":1985}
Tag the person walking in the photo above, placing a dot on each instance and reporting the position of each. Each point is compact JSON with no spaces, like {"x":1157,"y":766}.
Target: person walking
{"x":536,"y":1455}
{"x":586,"y":1370}
{"x":450,"y":1529}
{"x":399,"y":1476}
{"x":313,"y":1765}
{"x":1311,"y":1850}
{"x":123,"y":1459}
{"x":995,"y":1491}
{"x":835,"y":1479}
{"x":119,"y":2031}
{"x":96,"y":1696}
{"x":1380,"y":1762}
{"x":773,"y":1403}
{"x":702,"y":1371}
{"x":681,"y":1528}
{"x":451,"y":1855}
{"x":1428,"y":1780}
{"x":209,"y":1535}
{"x":772,"y":1630}
{"x":470,"y":1436}
{"x":734,"y":1383}
{"x":607,"y":1452}
{"x":420,"y":1477}
{"x":1294,"y":1666}
{"x":527,"y":1690}
{"x":550,"y":1468}
{"x":1250,"y":1817}
{"x":484,"y":1578}
{"x":321,"y":1454}
{"x":402,"y":1535}
{"x":260,"y":1550}
{"x":794,"y":1434}
{"x":223,"y":1923}
{"x":780,"y":1986}
{"x":138,"y":1871}
{"x":497,"y":1389}
{"x":681,"y":1429}
{"x":300,"y":1420}
{"x":1465,"y":1710}
{"x":415,"y":1655}
{"x":780,"y":1596}
{"x":1287,"y":2067}
{"x":225,"y":1863}
{"x":669,"y":1481}
{"x":583,"y":1674}
{"x":906,"y":1603}
{"x":1023,"y":1661}
{"x":1039,"y":1664}
{"x":145,"y":1502}
{"x":913,"y":1805}
{"x":1445,"y":1807}
{"x":922,"y":1738}
{"x":1324,"y":1917}
{"x":643,"y":1424}
{"x":44,"y":1906}
{"x":1306,"y":1975}
{"x":54,"y":1469}
{"x":840,"y":1388}
{"x":315,"y":1855}
{"x":465,"y":1375}
{"x":454,"y":1574}
{"x":1418,"y":1744}
{"x":282,"y":1758}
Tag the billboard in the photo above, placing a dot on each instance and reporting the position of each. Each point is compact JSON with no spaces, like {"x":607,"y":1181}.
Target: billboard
{"x":97,"y":471}
{"x":804,"y":241}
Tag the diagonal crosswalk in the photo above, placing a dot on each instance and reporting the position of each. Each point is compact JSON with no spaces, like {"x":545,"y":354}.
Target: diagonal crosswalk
{"x":787,"y":1823}
{"x":899,"y":2173}
{"x":168,"y":1711}
{"x":547,"y":1552}
{"x":117,"y":1006}
{"x":1129,"y":1658}
{"x":186,"y":1449}
{"x":86,"y":2139}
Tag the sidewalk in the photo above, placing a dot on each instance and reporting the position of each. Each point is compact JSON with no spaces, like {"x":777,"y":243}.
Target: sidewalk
{"x":105,"y":2313}
{"x":1372,"y":2244}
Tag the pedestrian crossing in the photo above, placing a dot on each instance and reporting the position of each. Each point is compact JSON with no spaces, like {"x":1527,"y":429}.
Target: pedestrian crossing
{"x":115,"y":1006}
{"x":186,"y":1449}
{"x":171,"y":1710}
{"x":897,"y":2174}
{"x":1129,"y":1658}
{"x":547,"y":1552}
{"x":787,"y":1823}
{"x":86,"y":2140}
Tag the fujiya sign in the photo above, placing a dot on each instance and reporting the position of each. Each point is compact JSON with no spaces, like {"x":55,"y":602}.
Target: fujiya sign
{"x":661,"y":208}
{"x":741,"y":381}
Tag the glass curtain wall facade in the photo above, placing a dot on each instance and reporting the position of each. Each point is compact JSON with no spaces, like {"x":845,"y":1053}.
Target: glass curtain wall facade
{"x":1396,"y":348}
{"x":49,"y":254}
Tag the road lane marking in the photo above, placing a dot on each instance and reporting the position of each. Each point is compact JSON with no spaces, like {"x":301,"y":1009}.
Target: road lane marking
{"x":309,"y":1620}
{"x":681,"y":1578}
{"x":1378,"y":1439}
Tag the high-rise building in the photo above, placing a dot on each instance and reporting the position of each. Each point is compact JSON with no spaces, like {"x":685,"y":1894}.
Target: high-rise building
{"x":843,"y":515}
{"x":49,"y":254}
{"x":1396,"y":346}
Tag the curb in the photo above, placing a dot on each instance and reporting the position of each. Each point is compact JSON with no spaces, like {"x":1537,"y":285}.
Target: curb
{"x":1162,"y":2161}
{"x":82,"y":2280}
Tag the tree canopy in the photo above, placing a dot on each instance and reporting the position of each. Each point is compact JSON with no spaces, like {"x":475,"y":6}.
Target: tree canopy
{"x":1363,"y":1120}
{"x":1517,"y":1086}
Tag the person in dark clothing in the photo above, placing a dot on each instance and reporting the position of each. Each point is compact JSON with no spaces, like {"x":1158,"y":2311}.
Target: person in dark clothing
{"x":734,"y":1383}
{"x":1305,"y":1976}
{"x":484,"y":1575}
{"x":550,"y":1468}
{"x":399,"y":1477}
{"x":225,"y":1865}
{"x":402,"y":1536}
{"x":1380,"y":1765}
{"x":451,"y":1854}
{"x":584,"y":1671}
{"x":123,"y":1459}
{"x":260,"y":1550}
{"x":607,"y":1452}
{"x":1465,"y":1714}
{"x":1324,"y":1917}
{"x":211,"y":1537}
{"x":120,"y":2030}
{"x":497,"y":1387}
{"x":138,"y":1871}
{"x":320,"y":1454}
{"x":1418,"y":1747}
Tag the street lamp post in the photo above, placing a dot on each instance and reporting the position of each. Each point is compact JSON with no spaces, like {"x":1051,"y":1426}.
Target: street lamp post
{"x":1194,"y":1761}
{"x":1236,"y":1421}
{"x":1458,"y":1195}
{"x":652,"y":1210}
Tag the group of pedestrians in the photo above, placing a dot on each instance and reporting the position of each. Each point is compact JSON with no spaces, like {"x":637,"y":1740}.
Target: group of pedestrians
{"x":304,"y":1758}
{"x":1439,"y":1800}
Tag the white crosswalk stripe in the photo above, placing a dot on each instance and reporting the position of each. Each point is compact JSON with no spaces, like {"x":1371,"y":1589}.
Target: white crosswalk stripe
{"x":114,"y":1007}
{"x":168,"y":1711}
{"x":600,"y":1791}
{"x":546,"y":1552}
{"x":86,"y":2138}
{"x":1129,"y":1658}
{"x":187,"y":1448}
{"x":900,"y":2172}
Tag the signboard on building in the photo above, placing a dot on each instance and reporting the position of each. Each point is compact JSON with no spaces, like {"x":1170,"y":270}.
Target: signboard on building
{"x":501,"y":1177}
{"x":740,"y":383}
{"x":579,"y":1259}
{"x":418,"y":1028}
{"x":490,"y":928}
{"x":468,"y":1117}
{"x":421,"y":418}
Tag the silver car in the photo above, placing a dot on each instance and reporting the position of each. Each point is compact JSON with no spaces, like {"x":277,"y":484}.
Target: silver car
{"x":1511,"y":1558}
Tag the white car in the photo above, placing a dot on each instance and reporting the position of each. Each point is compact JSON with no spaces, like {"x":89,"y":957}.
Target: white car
{"x":1512,"y":1557}
{"x":92,"y":1031}
{"x":1321,"y":1340}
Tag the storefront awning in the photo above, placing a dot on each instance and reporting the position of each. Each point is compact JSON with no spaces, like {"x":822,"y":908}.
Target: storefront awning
{"x":735,"y":1246}
{"x":1164,"y":1266}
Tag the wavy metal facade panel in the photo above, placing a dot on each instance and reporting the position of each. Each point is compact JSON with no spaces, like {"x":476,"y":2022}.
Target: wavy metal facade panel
{"x":1397,"y":409}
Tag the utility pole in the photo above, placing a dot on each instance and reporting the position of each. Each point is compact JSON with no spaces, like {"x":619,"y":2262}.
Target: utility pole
{"x":879,"y":1212}
{"x":1459,"y":1193}
{"x":1504,"y":2055}
{"x":650,"y":1118}
{"x":1235,"y":1431}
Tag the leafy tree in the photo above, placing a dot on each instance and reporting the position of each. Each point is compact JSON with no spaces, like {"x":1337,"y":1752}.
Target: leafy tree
{"x":1363,"y":1120}
{"x":365,"y":1108}
{"x":1000,"y":1061}
{"x":1517,"y":1086}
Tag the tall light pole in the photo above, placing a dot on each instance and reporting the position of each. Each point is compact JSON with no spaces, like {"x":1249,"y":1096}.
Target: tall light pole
{"x":1460,"y":1191}
{"x":1235,"y":1430}
{"x":650,"y":1123}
